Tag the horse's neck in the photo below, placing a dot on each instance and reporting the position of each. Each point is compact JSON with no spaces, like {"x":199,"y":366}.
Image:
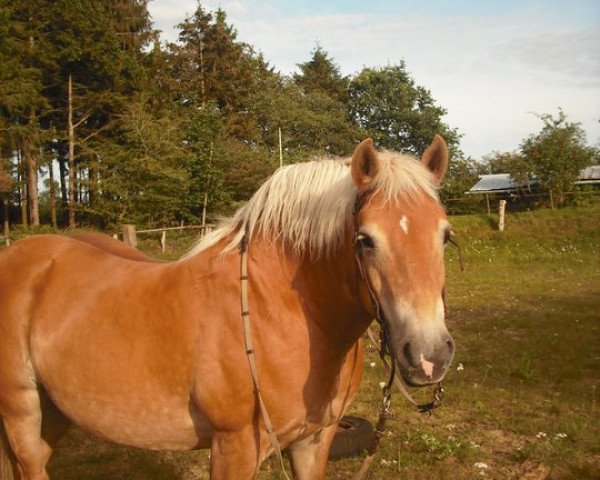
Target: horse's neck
{"x":332,"y":289}
{"x":324,"y":291}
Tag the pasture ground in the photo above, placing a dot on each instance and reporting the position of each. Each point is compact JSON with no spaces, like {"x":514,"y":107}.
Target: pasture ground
{"x":522,"y":394}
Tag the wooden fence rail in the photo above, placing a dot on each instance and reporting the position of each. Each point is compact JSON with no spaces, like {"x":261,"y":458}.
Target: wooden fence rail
{"x":130,"y":233}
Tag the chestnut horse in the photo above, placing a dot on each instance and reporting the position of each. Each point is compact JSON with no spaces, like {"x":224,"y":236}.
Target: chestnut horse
{"x":152,"y":355}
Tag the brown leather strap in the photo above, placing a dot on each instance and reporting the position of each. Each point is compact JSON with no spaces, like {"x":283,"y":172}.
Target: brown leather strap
{"x":423,"y":407}
{"x":250,"y":353}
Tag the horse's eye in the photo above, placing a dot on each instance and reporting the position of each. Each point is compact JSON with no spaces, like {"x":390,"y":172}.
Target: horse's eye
{"x":364,"y":241}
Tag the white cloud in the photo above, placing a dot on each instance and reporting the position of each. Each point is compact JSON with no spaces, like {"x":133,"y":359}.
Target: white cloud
{"x":488,"y":71}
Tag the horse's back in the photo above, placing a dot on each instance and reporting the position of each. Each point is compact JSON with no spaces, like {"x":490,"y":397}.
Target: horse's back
{"x":112,"y":246}
{"x":37,"y":267}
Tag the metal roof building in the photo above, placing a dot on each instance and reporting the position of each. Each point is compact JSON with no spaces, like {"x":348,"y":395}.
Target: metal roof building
{"x":494,"y":183}
{"x":502,"y":183}
{"x":589,"y":175}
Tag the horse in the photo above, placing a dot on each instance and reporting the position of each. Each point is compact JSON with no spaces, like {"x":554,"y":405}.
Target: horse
{"x":152,"y":354}
{"x":111,"y":245}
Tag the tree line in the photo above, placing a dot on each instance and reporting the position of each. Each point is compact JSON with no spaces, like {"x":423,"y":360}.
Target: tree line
{"x":121,"y":128}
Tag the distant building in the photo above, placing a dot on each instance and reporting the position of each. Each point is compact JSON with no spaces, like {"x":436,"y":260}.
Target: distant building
{"x":501,"y":185}
{"x":589,"y":176}
{"x":497,"y":183}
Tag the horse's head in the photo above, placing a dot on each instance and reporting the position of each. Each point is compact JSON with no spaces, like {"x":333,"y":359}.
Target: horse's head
{"x":400,"y":237}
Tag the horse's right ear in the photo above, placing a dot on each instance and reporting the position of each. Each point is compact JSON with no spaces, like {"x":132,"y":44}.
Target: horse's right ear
{"x":435,"y":158}
{"x":365,"y":164}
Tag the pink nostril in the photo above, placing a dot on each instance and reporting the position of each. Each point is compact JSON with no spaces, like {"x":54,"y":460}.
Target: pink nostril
{"x":427,"y":366}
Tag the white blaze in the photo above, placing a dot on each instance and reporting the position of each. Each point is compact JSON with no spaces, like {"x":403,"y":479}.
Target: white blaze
{"x":404,"y":224}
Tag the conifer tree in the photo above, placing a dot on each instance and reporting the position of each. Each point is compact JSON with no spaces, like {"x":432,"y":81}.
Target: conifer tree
{"x":213,"y":68}
{"x":22,"y":54}
{"x":143,"y":169}
{"x":321,"y":74}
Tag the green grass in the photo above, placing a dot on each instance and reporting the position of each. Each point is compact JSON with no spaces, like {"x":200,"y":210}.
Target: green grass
{"x":521,"y":396}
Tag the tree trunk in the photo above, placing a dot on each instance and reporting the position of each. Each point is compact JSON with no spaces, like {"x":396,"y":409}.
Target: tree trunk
{"x":205,"y":202}
{"x":280,"y":150}
{"x":22,"y":188}
{"x":5,"y":214}
{"x":5,"y":190}
{"x":29,"y":151}
{"x":92,"y":184}
{"x":32,"y":178}
{"x":52,"y":192}
{"x":62,"y":171}
{"x":202,"y":84}
{"x":71,"y":201}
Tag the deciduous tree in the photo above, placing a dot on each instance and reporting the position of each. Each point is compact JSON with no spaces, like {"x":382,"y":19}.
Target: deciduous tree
{"x":557,"y":154}
{"x":396,"y":112}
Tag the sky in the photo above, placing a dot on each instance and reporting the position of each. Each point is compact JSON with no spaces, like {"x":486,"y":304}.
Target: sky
{"x":495,"y":66}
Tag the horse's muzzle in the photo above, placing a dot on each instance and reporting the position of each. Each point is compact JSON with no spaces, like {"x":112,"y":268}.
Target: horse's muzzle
{"x":419,"y":369}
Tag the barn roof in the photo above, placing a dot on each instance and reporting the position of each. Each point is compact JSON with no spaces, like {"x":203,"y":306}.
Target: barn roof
{"x":589,"y":175}
{"x":494,"y":183}
{"x":502,"y":183}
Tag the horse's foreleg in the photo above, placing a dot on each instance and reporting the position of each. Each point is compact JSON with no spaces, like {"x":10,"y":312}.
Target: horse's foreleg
{"x":309,"y":456}
{"x":8,"y":462}
{"x":22,"y":419}
{"x":234,"y":455}
{"x":21,"y":414}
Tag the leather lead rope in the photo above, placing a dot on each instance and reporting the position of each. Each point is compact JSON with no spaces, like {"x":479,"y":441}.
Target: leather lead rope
{"x":384,"y":414}
{"x":250,"y":351}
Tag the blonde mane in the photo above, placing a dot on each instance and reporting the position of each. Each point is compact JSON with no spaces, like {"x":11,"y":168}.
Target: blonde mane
{"x":307,"y":206}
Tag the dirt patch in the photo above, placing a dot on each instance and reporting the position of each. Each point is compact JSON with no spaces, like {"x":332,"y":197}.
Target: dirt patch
{"x":505,"y":441}
{"x":532,"y":471}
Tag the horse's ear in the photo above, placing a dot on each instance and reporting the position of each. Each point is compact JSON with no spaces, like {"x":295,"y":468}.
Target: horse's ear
{"x":365,"y":164}
{"x":435,"y":158}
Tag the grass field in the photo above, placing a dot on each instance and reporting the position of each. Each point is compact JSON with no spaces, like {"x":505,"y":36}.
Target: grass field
{"x":521,"y":396}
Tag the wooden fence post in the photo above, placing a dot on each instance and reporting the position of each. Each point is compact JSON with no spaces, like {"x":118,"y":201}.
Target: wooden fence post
{"x":163,"y":241}
{"x":502,"y":210}
{"x":129,"y":235}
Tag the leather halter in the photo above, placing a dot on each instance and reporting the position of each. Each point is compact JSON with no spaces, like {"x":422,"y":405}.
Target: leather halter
{"x":384,"y":346}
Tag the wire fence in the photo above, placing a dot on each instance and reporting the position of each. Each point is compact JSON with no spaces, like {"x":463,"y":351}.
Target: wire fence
{"x":129,"y":233}
{"x":517,"y":201}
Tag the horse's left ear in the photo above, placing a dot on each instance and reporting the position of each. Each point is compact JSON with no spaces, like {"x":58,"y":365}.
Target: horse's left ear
{"x":365,"y":164}
{"x":435,"y":158}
